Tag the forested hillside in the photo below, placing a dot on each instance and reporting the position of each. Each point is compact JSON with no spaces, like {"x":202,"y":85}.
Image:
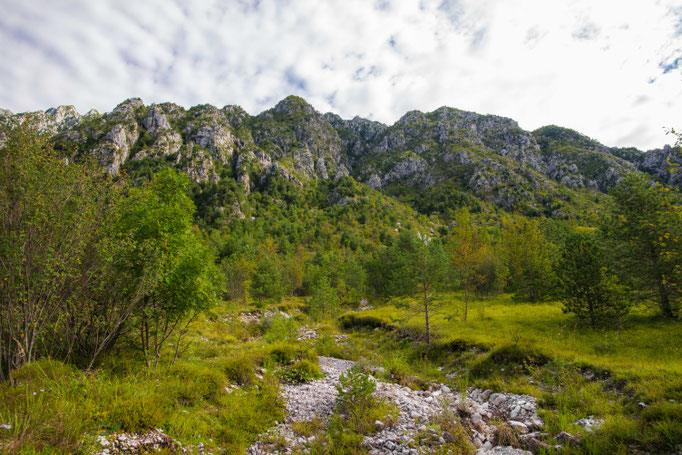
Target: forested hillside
{"x":188,"y":269}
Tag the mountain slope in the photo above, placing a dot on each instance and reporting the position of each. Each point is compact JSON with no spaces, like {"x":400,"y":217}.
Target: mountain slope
{"x":436,"y":160}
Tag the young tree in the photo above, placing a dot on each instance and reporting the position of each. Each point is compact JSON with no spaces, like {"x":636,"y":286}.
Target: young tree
{"x":490,"y":274}
{"x":238,"y":272}
{"x":588,"y":291}
{"x":467,"y":249}
{"x":167,"y":264}
{"x":644,"y":229}
{"x":267,"y":281}
{"x":413,"y":265}
{"x":529,"y":258}
{"x":324,"y":302}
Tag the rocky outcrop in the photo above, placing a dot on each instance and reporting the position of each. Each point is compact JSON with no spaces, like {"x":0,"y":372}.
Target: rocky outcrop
{"x":155,"y":121}
{"x":484,"y":157}
{"x":122,"y":131}
{"x":658,"y":163}
{"x":115,"y":148}
{"x":294,"y":131}
{"x":356,"y":135}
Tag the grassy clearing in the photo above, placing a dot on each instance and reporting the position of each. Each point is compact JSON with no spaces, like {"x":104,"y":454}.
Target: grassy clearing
{"x":536,"y":349}
{"x":222,"y":390}
{"x":646,"y":344}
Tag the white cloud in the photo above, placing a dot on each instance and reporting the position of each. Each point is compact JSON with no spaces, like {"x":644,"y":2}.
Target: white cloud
{"x":597,"y":67}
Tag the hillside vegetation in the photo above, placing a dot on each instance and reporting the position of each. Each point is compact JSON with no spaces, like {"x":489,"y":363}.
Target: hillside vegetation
{"x":293,"y":282}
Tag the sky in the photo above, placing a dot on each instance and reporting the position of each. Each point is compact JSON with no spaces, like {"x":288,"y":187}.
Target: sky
{"x":611,"y":69}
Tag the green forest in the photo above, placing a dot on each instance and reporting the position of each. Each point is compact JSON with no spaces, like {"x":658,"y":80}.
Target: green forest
{"x":147,"y":298}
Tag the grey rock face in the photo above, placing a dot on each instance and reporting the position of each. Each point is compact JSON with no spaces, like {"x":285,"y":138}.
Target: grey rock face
{"x":294,"y":130}
{"x":486,"y":157}
{"x":198,"y":165}
{"x":217,"y":140}
{"x":374,"y":182}
{"x":155,"y":121}
{"x":412,"y":167}
{"x":127,"y":108}
{"x":114,"y":151}
{"x":657,"y":163}
{"x":63,"y":117}
{"x":235,"y":115}
{"x":52,"y":121}
{"x":356,"y":135}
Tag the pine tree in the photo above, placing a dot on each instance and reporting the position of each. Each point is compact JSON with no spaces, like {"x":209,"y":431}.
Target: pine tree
{"x":645,"y":232}
{"x":588,"y":291}
{"x":468,"y":248}
{"x":415,"y":265}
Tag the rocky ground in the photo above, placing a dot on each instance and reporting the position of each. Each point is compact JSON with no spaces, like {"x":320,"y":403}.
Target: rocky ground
{"x":481,"y":412}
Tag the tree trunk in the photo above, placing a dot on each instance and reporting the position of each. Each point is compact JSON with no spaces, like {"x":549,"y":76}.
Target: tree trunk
{"x":664,"y":300}
{"x":466,"y":299}
{"x":666,"y":309}
{"x":426,"y":313}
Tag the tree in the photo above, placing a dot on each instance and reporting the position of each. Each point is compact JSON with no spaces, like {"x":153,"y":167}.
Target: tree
{"x":238,"y":271}
{"x":267,"y":281}
{"x":414,"y":264}
{"x":529,"y":258}
{"x":467,"y":249}
{"x":324,"y":302}
{"x":588,"y":291}
{"x":166,"y":262}
{"x":490,"y":274}
{"x":51,"y":218}
{"x":644,"y":229}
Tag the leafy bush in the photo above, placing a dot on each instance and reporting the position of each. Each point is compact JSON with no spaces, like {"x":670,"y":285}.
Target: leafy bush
{"x":357,"y":321}
{"x":287,"y":353}
{"x":301,"y":371}
{"x":355,"y":389}
{"x":358,"y":405}
{"x":278,"y":328}
{"x":241,"y":370}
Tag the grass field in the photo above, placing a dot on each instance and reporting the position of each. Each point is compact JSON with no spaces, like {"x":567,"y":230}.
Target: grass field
{"x":539,"y":350}
{"x":505,"y":345}
{"x":646,"y":344}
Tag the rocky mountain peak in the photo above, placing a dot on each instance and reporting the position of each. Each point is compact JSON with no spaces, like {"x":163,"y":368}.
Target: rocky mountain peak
{"x":235,"y":115}
{"x":127,"y":110}
{"x":293,"y":104}
{"x":64,"y":115}
{"x":566,"y":135}
{"x":486,"y":157}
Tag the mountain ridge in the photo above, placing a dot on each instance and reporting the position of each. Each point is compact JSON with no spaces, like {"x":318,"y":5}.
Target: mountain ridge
{"x":458,"y":153}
